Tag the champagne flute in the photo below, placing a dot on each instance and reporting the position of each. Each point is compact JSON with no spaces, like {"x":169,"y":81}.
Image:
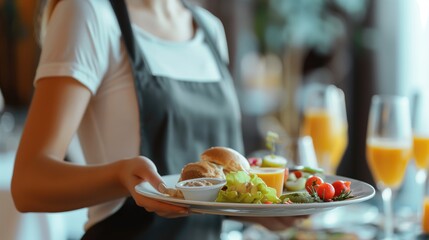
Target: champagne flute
{"x":421,"y":145}
{"x":389,"y":148}
{"x":325,"y":121}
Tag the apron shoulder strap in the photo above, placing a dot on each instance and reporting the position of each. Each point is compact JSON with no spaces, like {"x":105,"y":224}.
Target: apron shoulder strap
{"x":135,"y":54}
{"x":203,"y":25}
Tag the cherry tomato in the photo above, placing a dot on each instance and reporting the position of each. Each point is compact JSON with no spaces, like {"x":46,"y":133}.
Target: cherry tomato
{"x":298,"y":174}
{"x":313,"y":183}
{"x":325,"y":191}
{"x":341,"y":187}
{"x":347,"y":183}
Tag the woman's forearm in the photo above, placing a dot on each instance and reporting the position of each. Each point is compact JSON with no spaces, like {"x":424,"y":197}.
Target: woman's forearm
{"x":49,"y":185}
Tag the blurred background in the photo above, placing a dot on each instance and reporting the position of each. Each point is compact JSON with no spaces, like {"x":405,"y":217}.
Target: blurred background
{"x":278,"y":49}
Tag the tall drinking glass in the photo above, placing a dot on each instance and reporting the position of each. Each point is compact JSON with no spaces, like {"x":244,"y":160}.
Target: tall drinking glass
{"x":389,"y":148}
{"x":421,"y":148}
{"x":325,"y":121}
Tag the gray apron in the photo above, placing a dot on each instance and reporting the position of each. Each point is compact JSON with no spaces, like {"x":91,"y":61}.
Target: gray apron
{"x":178,"y":121}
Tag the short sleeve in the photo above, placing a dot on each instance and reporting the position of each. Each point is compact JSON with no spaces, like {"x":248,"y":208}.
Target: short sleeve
{"x":75,"y":45}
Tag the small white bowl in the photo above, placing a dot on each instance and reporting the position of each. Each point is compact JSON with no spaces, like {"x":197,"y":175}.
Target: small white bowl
{"x":201,"y":193}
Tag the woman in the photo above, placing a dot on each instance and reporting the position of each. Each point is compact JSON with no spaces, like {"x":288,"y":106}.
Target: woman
{"x":144,"y":83}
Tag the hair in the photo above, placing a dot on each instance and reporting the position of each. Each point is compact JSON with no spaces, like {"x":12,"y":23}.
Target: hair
{"x":47,"y":8}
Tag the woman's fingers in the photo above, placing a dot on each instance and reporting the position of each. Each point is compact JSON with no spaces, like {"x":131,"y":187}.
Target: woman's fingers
{"x":160,"y":208}
{"x":139,"y":169}
{"x":146,"y":171}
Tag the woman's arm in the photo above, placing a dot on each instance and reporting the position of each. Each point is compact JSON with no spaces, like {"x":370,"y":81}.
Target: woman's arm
{"x":42,"y":181}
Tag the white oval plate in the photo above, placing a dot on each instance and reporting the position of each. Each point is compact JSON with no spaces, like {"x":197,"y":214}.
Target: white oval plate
{"x":360,"y":190}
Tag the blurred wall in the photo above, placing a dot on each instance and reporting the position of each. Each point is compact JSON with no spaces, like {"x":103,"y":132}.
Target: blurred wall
{"x":18,"y":50}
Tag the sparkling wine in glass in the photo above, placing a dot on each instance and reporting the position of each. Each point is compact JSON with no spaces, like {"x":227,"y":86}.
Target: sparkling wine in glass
{"x":389,"y":148}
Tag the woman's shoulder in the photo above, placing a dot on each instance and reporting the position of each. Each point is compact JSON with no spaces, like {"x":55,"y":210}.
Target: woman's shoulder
{"x":209,"y":18}
{"x":215,"y":29}
{"x":99,"y":11}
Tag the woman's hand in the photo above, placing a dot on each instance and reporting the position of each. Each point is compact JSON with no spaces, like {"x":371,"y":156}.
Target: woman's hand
{"x":139,"y":169}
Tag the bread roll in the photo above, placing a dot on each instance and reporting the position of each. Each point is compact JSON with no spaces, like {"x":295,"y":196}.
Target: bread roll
{"x":200,"y":170}
{"x":229,"y":159}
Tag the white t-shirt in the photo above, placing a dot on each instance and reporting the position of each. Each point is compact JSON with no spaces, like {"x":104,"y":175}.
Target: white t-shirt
{"x":83,"y":41}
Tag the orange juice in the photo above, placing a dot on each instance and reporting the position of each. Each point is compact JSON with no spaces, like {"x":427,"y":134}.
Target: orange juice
{"x":388,"y":161}
{"x":339,"y":145}
{"x":318,"y":125}
{"x":421,"y":151}
{"x":329,"y":139}
{"x":273,"y":177}
{"x":425,"y":217}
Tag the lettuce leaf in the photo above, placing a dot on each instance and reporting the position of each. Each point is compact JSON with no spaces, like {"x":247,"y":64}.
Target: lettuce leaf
{"x":242,"y":187}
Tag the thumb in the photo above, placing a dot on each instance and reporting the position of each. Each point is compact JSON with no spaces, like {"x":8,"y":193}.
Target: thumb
{"x":147,"y":171}
{"x":154,"y":179}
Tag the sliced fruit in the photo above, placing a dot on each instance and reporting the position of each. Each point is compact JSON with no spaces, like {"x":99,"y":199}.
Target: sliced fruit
{"x":274,"y":161}
{"x":312,"y":170}
{"x":297,"y":185}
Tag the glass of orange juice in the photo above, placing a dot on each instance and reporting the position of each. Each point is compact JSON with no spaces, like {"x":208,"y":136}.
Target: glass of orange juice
{"x":273,"y":177}
{"x":420,"y":120}
{"x":389,"y":148}
{"x":325,"y":121}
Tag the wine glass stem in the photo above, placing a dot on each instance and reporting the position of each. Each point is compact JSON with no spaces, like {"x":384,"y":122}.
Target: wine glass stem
{"x":421,"y":178}
{"x":388,"y":213}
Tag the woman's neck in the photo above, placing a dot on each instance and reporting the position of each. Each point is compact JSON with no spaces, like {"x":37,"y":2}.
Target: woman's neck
{"x":167,"y":19}
{"x":166,"y":8}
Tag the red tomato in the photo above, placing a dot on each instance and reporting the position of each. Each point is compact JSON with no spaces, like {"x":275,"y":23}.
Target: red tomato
{"x":313,"y":183}
{"x":325,"y":191}
{"x":347,"y":183}
{"x":341,"y":187}
{"x":298,"y":174}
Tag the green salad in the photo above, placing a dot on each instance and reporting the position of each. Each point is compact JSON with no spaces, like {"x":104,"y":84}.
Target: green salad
{"x":242,"y":187}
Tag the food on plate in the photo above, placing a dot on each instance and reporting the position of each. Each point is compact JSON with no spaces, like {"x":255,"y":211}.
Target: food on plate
{"x":342,"y":190}
{"x":255,"y":161}
{"x":298,"y":197}
{"x":229,"y":159}
{"x":273,"y":177}
{"x":311,"y":170}
{"x":198,"y":183}
{"x":298,"y":177}
{"x":296,"y":185}
{"x":273,"y":160}
{"x":255,"y":185}
{"x":201,"y":189}
{"x":242,"y":187}
{"x":215,"y":162}
{"x":324,"y":191}
{"x":200,"y":170}
{"x":313,"y":183}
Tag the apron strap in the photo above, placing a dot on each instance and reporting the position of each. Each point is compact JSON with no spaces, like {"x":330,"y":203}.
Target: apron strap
{"x":208,"y":37}
{"x":209,"y":40}
{"x":134,"y":52}
{"x":140,"y":68}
